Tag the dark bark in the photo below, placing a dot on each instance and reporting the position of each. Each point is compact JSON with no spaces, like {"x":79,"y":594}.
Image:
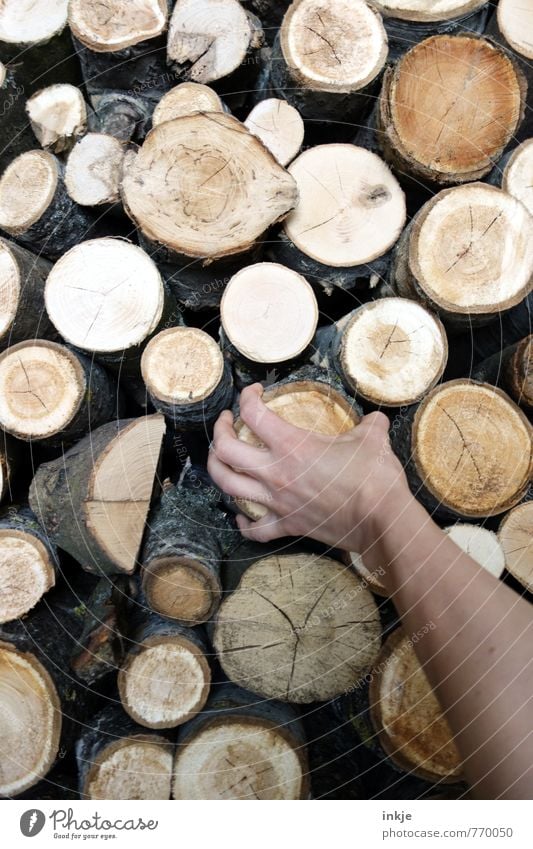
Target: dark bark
{"x":186,"y":527}
{"x":43,"y":64}
{"x":248,"y":372}
{"x":405,"y":34}
{"x":16,"y":135}
{"x":511,"y":370}
{"x":31,"y":319}
{"x":270,"y":13}
{"x":120,"y":114}
{"x":507,"y":329}
{"x":99,"y":651}
{"x":325,"y":278}
{"x":137,"y":70}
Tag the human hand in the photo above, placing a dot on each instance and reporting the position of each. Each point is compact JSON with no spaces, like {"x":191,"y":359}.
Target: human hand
{"x":333,"y":489}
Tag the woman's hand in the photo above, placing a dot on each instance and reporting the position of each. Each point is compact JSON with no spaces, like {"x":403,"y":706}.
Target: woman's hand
{"x":331,"y":489}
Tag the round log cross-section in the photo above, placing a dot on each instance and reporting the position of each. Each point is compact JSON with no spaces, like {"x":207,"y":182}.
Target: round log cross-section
{"x":407,"y":716}
{"x":281,"y":634}
{"x":516,"y":537}
{"x":203,"y":186}
{"x":449,"y":108}
{"x":471,"y":449}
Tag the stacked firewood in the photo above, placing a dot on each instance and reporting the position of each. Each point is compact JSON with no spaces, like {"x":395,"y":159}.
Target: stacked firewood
{"x":334,"y":199}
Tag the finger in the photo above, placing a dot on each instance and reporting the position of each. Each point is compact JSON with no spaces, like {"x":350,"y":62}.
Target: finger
{"x":234,"y":483}
{"x":269,"y":427}
{"x":266,"y":529}
{"x":231,"y":450}
{"x":376,"y":421}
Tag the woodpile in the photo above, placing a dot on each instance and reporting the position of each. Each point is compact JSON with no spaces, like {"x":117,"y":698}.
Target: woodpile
{"x":333,"y":199}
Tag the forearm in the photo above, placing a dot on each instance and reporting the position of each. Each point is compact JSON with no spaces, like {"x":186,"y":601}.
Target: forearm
{"x":477,"y":656}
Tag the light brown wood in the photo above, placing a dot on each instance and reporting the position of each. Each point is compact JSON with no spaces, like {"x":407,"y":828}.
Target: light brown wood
{"x":371,"y":579}
{"x":30,"y":720}
{"x":409,"y":721}
{"x":31,"y":21}
{"x":238,"y":758}
{"x":472,"y":448}
{"x":58,"y":116}
{"x":137,"y":767}
{"x":279,"y":126}
{"x":105,"y":295}
{"x":27,"y":187}
{"x":42,"y":386}
{"x":165,"y":683}
{"x":426,"y":10}
{"x":515,"y":22}
{"x":480,"y":544}
{"x":186,"y":99}
{"x":94,"y":170}
{"x":299,"y":628}
{"x":116,"y":24}
{"x":26,"y":573}
{"x":204,"y":186}
{"x":212,"y":36}
{"x":181,"y":588}
{"x":312,"y":406}
{"x":351,"y":208}
{"x":392,"y":352}
{"x":516,"y":537}
{"x":340,"y":46}
{"x":182,"y":365}
{"x":518,"y":174}
{"x":471,"y":251}
{"x":449,"y":108}
{"x":120,"y":490}
{"x":269,"y":313}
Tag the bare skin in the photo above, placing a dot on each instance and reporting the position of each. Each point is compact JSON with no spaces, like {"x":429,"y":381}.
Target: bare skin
{"x":351,"y":492}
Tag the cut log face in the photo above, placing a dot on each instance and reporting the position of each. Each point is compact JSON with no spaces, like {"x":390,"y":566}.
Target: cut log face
{"x":480,"y":544}
{"x":279,"y":126}
{"x":9,"y":288}
{"x":280,"y":634}
{"x":27,"y":188}
{"x":182,"y":365}
{"x":165,"y":683}
{"x":409,"y":721}
{"x":26,"y":573}
{"x":520,"y":373}
{"x":58,"y":115}
{"x":212,"y":37}
{"x":427,"y":10}
{"x":472,"y":448}
{"x":30,"y":720}
{"x":42,"y":385}
{"x":269,"y":313}
{"x":137,"y":767}
{"x":238,"y":758}
{"x":186,"y":99}
{"x":204,"y":186}
{"x":31,"y":21}
{"x":105,"y":295}
{"x":312,"y":406}
{"x":120,"y":490}
{"x":116,"y":24}
{"x":393,"y":352}
{"x":430,"y":108}
{"x":516,"y":537}
{"x":181,"y":588}
{"x":515,"y":22}
{"x":351,"y":208}
{"x":93,"y":170}
{"x":471,"y":250}
{"x":339,"y":46}
{"x":518,"y":174}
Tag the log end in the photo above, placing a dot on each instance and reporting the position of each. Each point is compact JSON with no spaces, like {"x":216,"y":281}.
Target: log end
{"x":516,"y":538}
{"x":181,"y":588}
{"x":58,"y":115}
{"x":93,"y":170}
{"x":27,"y":188}
{"x":27,"y":572}
{"x":481,"y":545}
{"x":30,"y":720}
{"x":182,"y":366}
{"x":115,"y":25}
{"x":186,"y":99}
{"x":135,"y":767}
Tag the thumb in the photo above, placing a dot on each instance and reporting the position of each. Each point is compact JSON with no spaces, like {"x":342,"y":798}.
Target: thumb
{"x":270,"y":428}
